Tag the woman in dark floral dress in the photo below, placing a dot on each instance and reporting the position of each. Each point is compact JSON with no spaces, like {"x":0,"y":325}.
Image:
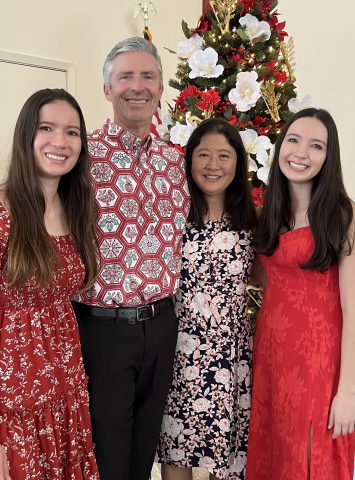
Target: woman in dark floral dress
{"x":207,"y":413}
{"x":46,"y":254}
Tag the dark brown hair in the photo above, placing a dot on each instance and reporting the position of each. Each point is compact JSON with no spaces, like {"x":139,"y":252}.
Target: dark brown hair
{"x":30,"y":249}
{"x":330,"y":211}
{"x":238,"y":202}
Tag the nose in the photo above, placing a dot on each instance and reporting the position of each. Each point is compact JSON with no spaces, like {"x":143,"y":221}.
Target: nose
{"x":137,"y":84}
{"x":302,"y":150}
{"x":213,"y":162}
{"x":58,"y":139}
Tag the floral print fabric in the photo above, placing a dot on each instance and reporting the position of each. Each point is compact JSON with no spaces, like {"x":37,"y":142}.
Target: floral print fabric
{"x":44,"y":415}
{"x":207,"y":413}
{"x":296,"y":370}
{"x":143,"y":200}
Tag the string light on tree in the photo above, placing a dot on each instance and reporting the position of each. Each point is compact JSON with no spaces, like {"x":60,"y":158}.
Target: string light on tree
{"x":248,"y":38}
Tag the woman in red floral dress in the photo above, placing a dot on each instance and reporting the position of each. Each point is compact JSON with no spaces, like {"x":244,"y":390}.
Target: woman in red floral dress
{"x":46,"y":255}
{"x":303,"y":399}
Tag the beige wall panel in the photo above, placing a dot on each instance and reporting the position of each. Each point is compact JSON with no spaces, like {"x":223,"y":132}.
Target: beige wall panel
{"x":17,"y":82}
{"x":82,"y":32}
{"x":324,"y":36}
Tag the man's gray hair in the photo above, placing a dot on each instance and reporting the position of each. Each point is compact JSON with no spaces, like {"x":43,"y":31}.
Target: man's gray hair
{"x":134,"y":44}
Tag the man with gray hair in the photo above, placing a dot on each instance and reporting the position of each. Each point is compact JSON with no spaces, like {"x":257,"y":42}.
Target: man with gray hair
{"x":127,"y":323}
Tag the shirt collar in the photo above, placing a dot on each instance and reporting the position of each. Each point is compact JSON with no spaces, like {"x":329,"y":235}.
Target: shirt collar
{"x":131,"y":142}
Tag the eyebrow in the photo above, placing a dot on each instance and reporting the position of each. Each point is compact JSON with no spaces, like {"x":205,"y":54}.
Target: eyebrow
{"x":52,"y":123}
{"x":131,"y":72}
{"x":312,"y":139}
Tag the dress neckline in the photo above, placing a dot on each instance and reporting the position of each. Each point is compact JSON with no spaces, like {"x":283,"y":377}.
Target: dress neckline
{"x":64,"y":235}
{"x":295,"y":230}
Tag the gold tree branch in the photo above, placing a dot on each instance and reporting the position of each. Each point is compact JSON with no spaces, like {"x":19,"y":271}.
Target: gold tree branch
{"x":288,"y":53}
{"x":271,"y":100}
{"x":223,"y":11}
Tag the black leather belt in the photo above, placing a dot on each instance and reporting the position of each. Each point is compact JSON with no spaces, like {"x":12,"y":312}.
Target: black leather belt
{"x":130,"y":315}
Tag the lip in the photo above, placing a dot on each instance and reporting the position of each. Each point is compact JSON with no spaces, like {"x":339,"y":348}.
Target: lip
{"x":297,"y":166}
{"x":137,"y":101}
{"x":56,"y":157}
{"x":212,"y":178}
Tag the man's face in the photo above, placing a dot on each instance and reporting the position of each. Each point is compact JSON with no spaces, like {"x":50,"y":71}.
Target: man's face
{"x":135,"y":90}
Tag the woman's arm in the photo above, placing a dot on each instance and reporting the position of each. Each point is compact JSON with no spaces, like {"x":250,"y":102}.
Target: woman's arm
{"x":342,"y":413}
{"x":4,"y":468}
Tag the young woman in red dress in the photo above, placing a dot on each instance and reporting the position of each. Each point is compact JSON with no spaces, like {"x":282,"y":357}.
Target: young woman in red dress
{"x":303,"y":401}
{"x":46,"y":254}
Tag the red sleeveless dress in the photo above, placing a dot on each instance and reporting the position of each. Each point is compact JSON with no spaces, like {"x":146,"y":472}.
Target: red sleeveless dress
{"x":296,"y":370}
{"x":45,"y":426}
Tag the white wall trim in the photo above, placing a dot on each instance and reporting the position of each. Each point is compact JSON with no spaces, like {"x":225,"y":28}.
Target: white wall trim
{"x":47,"y":63}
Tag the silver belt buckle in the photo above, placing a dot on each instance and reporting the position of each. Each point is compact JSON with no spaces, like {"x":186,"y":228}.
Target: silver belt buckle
{"x":152,"y":312}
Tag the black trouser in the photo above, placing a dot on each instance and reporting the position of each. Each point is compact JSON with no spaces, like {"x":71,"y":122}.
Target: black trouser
{"x":130,"y":371}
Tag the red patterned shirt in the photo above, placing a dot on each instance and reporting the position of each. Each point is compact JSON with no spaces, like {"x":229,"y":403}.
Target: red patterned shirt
{"x":143,"y":200}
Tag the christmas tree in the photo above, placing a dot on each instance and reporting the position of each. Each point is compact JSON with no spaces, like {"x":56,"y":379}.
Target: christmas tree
{"x":238,"y":65}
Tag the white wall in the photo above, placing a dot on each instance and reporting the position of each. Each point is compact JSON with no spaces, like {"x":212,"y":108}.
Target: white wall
{"x":324,"y":36}
{"x":75,"y":31}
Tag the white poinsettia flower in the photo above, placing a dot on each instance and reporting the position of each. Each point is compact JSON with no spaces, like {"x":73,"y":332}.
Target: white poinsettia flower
{"x":180,"y":134}
{"x":163,"y":128}
{"x":263,"y":174}
{"x":295,"y":104}
{"x":253,"y":143}
{"x":203,"y":63}
{"x":265,"y":159}
{"x":256,"y":31}
{"x":246,"y":92}
{"x":187,"y":47}
{"x":252,"y":166}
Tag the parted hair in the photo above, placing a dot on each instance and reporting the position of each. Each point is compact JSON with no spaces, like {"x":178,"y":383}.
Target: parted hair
{"x":133,"y":44}
{"x":330,"y":211}
{"x":30,"y":249}
{"x":238,"y":204}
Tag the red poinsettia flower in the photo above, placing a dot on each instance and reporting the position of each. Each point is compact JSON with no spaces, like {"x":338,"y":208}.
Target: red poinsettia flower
{"x":238,"y":59}
{"x":209,"y":100}
{"x":271,"y":65}
{"x":258,"y":195}
{"x":247,"y":6}
{"x":203,"y":25}
{"x":258,"y":120}
{"x":280,"y":77}
{"x":234,"y":120}
{"x":264,"y":130}
{"x":279,"y":26}
{"x":190,"y":91}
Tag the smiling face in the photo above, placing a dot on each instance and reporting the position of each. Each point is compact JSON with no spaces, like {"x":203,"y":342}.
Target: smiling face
{"x":57,"y":143}
{"x":213,"y":167}
{"x":303,"y":150}
{"x":135,"y":91}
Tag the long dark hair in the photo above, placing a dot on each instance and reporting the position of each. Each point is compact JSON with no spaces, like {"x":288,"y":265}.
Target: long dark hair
{"x":30,"y":249}
{"x":330,"y":211}
{"x":238,"y":202}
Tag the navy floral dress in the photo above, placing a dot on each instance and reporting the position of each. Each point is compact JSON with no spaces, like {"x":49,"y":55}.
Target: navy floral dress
{"x":207,"y":413}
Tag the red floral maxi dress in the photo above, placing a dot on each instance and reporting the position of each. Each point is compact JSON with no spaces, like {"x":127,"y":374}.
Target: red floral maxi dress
{"x":44,"y":416}
{"x":296,"y":370}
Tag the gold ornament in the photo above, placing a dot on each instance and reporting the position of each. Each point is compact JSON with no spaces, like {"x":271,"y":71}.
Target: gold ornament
{"x":254,"y":299}
{"x":288,"y":52}
{"x":271,"y":100}
{"x":223,"y":10}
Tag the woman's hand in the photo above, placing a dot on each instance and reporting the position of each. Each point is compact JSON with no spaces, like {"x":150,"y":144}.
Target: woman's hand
{"x":4,"y":467}
{"x":342,"y":414}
